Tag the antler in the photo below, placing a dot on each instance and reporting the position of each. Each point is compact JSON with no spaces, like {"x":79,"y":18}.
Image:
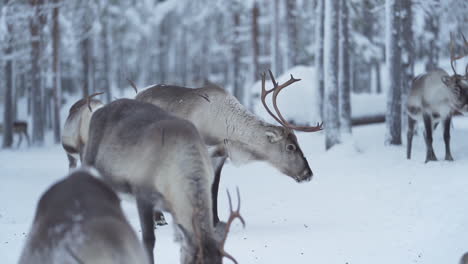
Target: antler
{"x":133,"y":85}
{"x":234,"y":214}
{"x":276,"y":90}
{"x":453,"y":58}
{"x":88,"y":99}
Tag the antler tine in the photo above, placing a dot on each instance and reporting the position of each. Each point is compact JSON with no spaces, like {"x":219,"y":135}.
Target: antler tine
{"x":265,"y":92}
{"x":284,"y":121}
{"x":233,"y":215}
{"x":88,"y":99}
{"x":133,"y":85}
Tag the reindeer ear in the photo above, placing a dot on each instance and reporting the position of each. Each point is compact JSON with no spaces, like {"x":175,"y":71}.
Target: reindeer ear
{"x":274,"y":135}
{"x":446,"y":80}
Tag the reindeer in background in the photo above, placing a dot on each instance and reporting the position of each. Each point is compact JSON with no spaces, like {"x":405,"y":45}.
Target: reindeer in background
{"x":230,"y":130}
{"x":434,"y":97}
{"x":162,"y":161}
{"x":75,"y":130}
{"x":79,"y":220}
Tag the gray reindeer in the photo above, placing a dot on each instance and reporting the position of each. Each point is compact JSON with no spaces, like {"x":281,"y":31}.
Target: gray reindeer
{"x":79,"y":220}
{"x":230,"y":130}
{"x":161,"y":160}
{"x":434,"y":97}
{"x":75,"y":130}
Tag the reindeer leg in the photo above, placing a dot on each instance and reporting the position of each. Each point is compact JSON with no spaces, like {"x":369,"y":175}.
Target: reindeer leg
{"x":409,"y":136}
{"x":27,"y":137}
{"x":145,"y":212}
{"x":430,"y":155}
{"x":20,"y":140}
{"x":448,"y":154}
{"x":218,"y":164}
{"x":71,"y":161}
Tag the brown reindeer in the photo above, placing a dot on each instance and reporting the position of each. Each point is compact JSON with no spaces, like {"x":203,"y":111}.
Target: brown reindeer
{"x":20,"y":128}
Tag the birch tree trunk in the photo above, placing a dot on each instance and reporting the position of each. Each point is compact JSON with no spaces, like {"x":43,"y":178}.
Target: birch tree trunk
{"x":331,"y":60}
{"x":238,"y":89}
{"x":344,"y":71}
{"x":319,"y":32}
{"x":393,"y":56}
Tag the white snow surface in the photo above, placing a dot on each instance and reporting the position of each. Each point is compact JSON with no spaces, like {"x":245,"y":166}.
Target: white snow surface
{"x":366,"y":204}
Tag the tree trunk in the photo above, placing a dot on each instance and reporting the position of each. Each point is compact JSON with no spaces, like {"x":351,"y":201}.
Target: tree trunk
{"x":319,"y":36}
{"x":8,"y":106}
{"x":407,"y":53}
{"x":36,"y":93}
{"x":255,"y":44}
{"x":331,"y":60}
{"x":378,"y":78}
{"x":344,"y":71}
{"x":56,"y":71}
{"x":432,"y":25}
{"x":236,"y":55}
{"x":85,"y":58}
{"x":291,"y":20}
{"x":105,"y":45}
{"x":393,"y":56}
{"x":275,"y":38}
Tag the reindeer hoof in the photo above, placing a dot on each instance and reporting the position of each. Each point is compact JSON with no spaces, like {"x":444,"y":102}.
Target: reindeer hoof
{"x":448,"y":158}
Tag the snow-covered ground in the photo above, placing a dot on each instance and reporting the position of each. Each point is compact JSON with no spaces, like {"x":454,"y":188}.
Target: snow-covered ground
{"x":367,"y":204}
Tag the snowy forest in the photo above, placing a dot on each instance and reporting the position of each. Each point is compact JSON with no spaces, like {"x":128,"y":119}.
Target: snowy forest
{"x":359,"y":63}
{"x":53,"y":49}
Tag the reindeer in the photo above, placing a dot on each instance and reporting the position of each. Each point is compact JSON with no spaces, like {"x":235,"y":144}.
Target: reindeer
{"x":434,"y":97}
{"x":79,"y":220}
{"x":162,"y":161}
{"x":75,"y":130}
{"x":230,"y":130}
{"x":20,"y":128}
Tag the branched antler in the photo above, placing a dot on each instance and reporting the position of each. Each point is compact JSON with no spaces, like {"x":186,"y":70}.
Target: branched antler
{"x":279,"y":118}
{"x":133,"y":85}
{"x":88,"y":99}
{"x":453,"y":58}
{"x":233,"y":215}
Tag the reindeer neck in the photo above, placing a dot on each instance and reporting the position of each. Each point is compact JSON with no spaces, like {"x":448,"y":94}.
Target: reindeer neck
{"x":241,"y":125}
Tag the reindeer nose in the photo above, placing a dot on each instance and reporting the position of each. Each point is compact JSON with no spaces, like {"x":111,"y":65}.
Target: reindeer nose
{"x":306,"y":175}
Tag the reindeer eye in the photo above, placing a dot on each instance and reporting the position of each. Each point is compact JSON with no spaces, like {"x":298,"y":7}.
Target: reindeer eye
{"x":290,"y":147}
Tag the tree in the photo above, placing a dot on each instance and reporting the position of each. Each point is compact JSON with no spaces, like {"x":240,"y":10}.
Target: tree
{"x":331,"y":60}
{"x":344,"y":70}
{"x":319,"y":36}
{"x":56,"y":70}
{"x":255,"y":44}
{"x":36,"y":23}
{"x":407,"y":51}
{"x":432,"y":27}
{"x":393,"y":56}
{"x":8,"y":111}
{"x":293,"y":36}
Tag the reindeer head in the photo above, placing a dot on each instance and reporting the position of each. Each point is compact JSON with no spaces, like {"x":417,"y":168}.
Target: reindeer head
{"x":458,"y":84}
{"x":208,"y":247}
{"x":285,"y":152}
